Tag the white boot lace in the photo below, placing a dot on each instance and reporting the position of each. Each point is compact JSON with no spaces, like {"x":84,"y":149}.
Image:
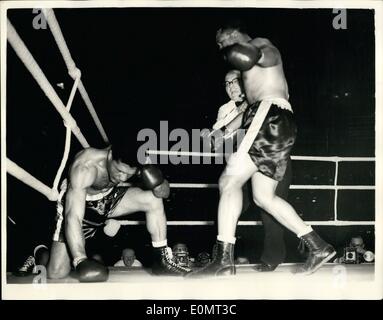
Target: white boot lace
{"x":28,"y":263}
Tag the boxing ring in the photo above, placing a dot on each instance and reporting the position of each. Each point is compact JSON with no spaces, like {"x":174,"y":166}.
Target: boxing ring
{"x":140,"y":278}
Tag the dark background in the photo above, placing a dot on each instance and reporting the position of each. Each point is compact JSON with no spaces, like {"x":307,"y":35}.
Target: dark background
{"x":141,"y":66}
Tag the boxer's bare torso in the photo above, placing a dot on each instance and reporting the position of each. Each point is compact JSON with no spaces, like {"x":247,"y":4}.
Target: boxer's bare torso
{"x":261,"y":82}
{"x":95,"y":163}
{"x":266,"y":79}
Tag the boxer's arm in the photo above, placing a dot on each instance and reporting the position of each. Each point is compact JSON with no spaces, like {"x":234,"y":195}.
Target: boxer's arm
{"x":260,"y":51}
{"x":81,"y":177}
{"x":270,"y":54}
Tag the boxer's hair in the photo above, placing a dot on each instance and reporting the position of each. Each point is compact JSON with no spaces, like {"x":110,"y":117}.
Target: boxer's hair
{"x":234,"y":24}
{"x":120,"y":152}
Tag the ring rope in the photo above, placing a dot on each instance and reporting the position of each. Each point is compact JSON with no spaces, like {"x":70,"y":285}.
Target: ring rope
{"x":334,"y":187}
{"x":61,"y":43}
{"x":28,"y":179}
{"x":71,"y":126}
{"x":68,"y":136}
{"x":336,"y":191}
{"x":247,"y":223}
{"x":293,"y":186}
{"x":31,"y":64}
{"x":210,"y":154}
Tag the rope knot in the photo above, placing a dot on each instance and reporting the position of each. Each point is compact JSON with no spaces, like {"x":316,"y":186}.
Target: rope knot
{"x":75,"y":73}
{"x":53,"y":195}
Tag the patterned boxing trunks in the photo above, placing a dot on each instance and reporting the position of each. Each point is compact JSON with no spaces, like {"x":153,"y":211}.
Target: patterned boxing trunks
{"x":97,"y":210}
{"x":271,"y":148}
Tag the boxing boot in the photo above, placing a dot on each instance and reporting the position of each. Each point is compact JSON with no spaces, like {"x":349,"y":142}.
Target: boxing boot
{"x":27,"y":268}
{"x":222,"y":263}
{"x":319,"y":253}
{"x":164,"y":264}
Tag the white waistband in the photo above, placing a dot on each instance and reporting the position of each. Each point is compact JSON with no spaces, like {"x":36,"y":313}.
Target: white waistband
{"x":98,"y":196}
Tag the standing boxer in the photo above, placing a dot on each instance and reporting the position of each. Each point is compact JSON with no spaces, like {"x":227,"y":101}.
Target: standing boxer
{"x":230,"y":116}
{"x":265,"y":163}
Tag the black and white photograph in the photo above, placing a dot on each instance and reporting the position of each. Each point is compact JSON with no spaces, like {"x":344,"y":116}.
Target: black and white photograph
{"x":176,"y":150}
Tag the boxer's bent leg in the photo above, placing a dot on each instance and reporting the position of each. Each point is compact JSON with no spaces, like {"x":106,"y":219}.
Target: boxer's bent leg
{"x":59,"y":261}
{"x":264,"y":192}
{"x":239,"y":169}
{"x":265,"y":197}
{"x":136,"y":199}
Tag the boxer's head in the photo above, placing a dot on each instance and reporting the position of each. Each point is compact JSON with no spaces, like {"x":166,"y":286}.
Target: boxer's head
{"x":233,"y":86}
{"x":118,"y":169}
{"x":231,"y":33}
{"x":128,"y":256}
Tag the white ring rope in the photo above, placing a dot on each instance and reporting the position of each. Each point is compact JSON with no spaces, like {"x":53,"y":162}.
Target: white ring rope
{"x":336,"y":190}
{"x":334,"y":187}
{"x":294,"y":186}
{"x":28,"y":179}
{"x":207,"y":154}
{"x":31,"y":64}
{"x":68,"y":136}
{"x":59,"y":38}
{"x":71,"y":126}
{"x":248,"y":223}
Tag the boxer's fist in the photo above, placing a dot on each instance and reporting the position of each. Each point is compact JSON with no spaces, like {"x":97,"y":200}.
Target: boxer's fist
{"x":242,"y":56}
{"x":153,"y":179}
{"x":150,"y":176}
{"x":91,"y":271}
{"x":162,"y":190}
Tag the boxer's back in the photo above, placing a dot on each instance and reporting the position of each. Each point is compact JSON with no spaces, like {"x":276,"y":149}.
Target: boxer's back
{"x":95,"y":160}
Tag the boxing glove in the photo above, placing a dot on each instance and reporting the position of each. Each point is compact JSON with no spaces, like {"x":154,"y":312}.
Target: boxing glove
{"x":162,"y":190}
{"x":91,"y":271}
{"x":242,"y":56}
{"x":153,"y":179}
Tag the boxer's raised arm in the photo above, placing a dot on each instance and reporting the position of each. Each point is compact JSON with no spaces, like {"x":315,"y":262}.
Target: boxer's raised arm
{"x":81,"y":177}
{"x":270,"y":54}
{"x":260,"y":51}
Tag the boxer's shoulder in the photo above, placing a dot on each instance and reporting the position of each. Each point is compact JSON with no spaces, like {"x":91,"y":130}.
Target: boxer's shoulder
{"x":261,"y":42}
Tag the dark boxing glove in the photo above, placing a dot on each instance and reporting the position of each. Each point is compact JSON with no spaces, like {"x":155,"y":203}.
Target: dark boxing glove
{"x":153,"y":179}
{"x":162,"y":190}
{"x":91,"y":271}
{"x":242,"y":56}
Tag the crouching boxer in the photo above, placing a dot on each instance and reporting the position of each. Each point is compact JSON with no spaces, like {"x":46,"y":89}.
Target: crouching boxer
{"x":265,"y":162}
{"x":90,"y":196}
